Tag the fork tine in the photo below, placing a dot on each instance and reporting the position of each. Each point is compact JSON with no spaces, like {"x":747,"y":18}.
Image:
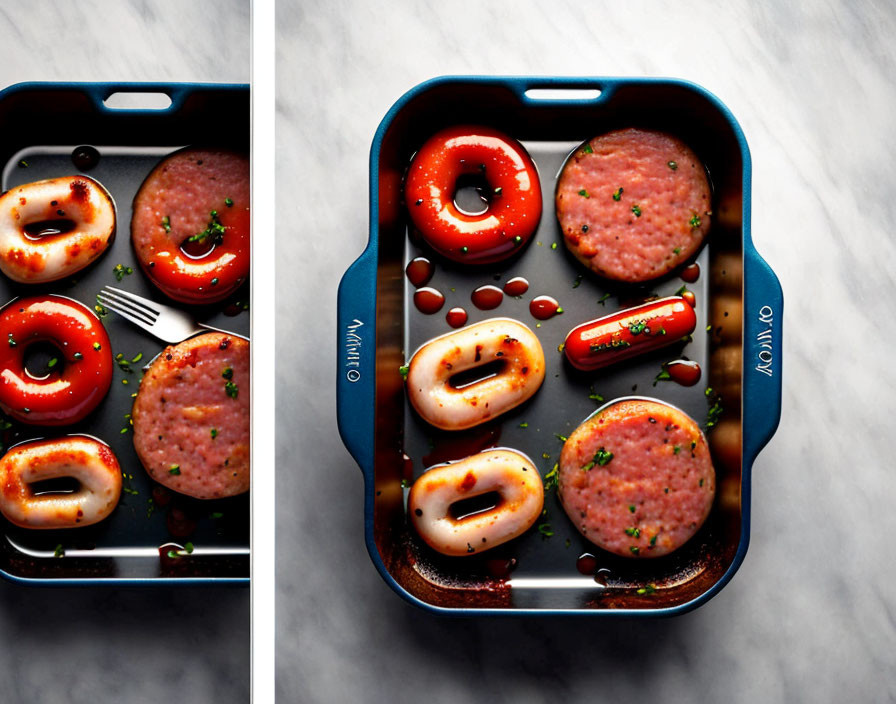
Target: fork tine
{"x":121,"y":306}
{"x":130,"y":316}
{"x":133,"y":299}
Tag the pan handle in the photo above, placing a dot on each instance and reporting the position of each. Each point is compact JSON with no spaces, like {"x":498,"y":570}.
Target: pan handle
{"x":356,"y":348}
{"x":763,"y":313}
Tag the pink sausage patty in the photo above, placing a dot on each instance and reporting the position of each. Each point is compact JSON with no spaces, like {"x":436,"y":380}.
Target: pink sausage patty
{"x":633,"y":204}
{"x":191,"y":417}
{"x":637,"y":479}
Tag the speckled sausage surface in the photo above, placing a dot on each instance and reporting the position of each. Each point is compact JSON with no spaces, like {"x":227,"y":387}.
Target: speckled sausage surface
{"x":190,"y":227}
{"x":633,"y":204}
{"x":637,"y":479}
{"x":191,"y":417}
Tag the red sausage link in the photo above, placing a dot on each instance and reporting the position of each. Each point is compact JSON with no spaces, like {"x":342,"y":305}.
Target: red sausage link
{"x":629,"y":332}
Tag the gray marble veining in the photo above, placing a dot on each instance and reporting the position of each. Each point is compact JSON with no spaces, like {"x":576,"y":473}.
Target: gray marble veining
{"x":811,"y":614}
{"x":102,"y":644}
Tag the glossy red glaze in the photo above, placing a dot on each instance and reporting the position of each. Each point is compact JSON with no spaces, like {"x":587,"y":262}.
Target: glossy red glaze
{"x":514,"y":194}
{"x":516,"y":286}
{"x":690,"y":273}
{"x":428,"y":300}
{"x":84,"y":375}
{"x":629,"y":332}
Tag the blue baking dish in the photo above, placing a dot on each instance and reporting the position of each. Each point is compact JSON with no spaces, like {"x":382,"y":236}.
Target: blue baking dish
{"x":737,"y":343}
{"x":48,"y":126}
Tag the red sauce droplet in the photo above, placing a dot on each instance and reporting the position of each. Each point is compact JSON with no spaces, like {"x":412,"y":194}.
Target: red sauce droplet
{"x":586,"y":564}
{"x":683,"y":371}
{"x":487,"y":297}
{"x":419,"y":271}
{"x":689,"y":298}
{"x":691,"y":273}
{"x":428,"y":300}
{"x":516,"y":286}
{"x":543,"y":307}
{"x":456,"y":317}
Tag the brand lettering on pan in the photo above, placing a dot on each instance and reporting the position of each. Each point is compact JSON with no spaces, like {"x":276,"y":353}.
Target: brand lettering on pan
{"x":764,"y":340}
{"x":353,"y":351}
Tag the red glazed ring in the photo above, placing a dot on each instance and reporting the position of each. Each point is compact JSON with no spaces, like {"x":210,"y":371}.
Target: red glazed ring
{"x":190,"y":227}
{"x":513,"y":194}
{"x":80,"y":378}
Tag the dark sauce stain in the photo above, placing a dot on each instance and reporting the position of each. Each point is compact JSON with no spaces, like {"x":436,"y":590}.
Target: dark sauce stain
{"x":516,"y":286}
{"x":48,"y":228}
{"x":428,"y":300}
{"x":487,"y":297}
{"x":684,"y":371}
{"x":85,"y":158}
{"x":500,"y":567}
{"x":456,"y":317}
{"x":419,"y":271}
{"x":543,"y":307}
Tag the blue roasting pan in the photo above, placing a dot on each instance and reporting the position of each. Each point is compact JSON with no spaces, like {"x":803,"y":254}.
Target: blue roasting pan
{"x":45,"y":125}
{"x":737,"y":343}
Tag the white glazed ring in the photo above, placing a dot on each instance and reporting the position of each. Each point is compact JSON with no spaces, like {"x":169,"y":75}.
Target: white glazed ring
{"x":519,"y":370}
{"x":54,"y":228}
{"x":508,"y":473}
{"x":84,"y":459}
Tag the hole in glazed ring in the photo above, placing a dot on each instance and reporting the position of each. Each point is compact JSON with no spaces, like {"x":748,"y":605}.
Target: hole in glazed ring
{"x":54,"y":228}
{"x":467,"y":377}
{"x":61,"y":483}
{"x":477,"y":503}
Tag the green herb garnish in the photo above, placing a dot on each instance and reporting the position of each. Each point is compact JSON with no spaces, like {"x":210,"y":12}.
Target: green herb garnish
{"x":97,"y":346}
{"x":214,"y":433}
{"x":649,"y":589}
{"x":552,"y":478}
{"x":121,"y":271}
{"x":166,"y":223}
{"x":637,"y":328}
{"x":403,"y":370}
{"x":603,"y":298}
{"x":231,"y":389}
{"x":617,"y":195}
{"x":672,"y":165}
{"x":636,"y":209}
{"x":694,"y":221}
{"x":584,"y":193}
{"x":228,"y":202}
{"x":215,"y":230}
{"x":227,"y":373}
{"x":545,"y":530}
{"x":587,"y":148}
{"x":59,"y":551}
{"x":174,"y":469}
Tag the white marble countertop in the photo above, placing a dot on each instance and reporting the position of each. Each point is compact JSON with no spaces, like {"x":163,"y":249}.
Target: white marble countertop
{"x":811,"y":614}
{"x":102,"y":644}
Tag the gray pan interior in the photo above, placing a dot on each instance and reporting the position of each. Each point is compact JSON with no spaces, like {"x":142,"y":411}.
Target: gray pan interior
{"x":543,"y":574}
{"x":133,"y":544}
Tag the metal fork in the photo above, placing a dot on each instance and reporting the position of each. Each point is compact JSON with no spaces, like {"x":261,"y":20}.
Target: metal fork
{"x":166,"y":323}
